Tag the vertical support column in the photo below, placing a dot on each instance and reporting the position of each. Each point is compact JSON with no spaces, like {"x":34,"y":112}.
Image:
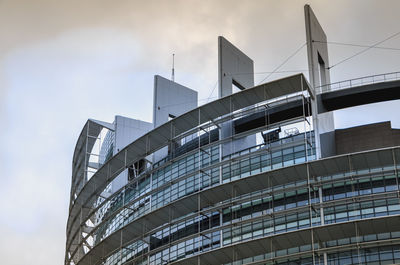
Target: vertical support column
{"x":172,"y":141}
{"x":143,"y":234}
{"x":312,"y":143}
{"x":120,"y":247}
{"x":170,"y":100}
{"x":169,"y":227}
{"x":358,"y":242}
{"x":148,"y":146}
{"x":220,"y":160}
{"x":321,"y":201}
{"x":80,"y":242}
{"x":230,"y":127}
{"x":355,"y":224}
{"x":199,"y":149}
{"x":199,"y":235}
{"x":310,"y":211}
{"x":272,"y":248}
{"x":322,"y":215}
{"x":307,"y":125}
{"x":318,"y":65}
{"x":234,"y":68}
{"x":271,"y":211}
{"x":396,"y":173}
{"x":86,"y":155}
{"x":221,"y":221}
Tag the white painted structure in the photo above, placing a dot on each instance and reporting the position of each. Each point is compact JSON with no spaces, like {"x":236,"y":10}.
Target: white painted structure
{"x":125,"y":131}
{"x":318,"y":65}
{"x":234,"y":69}
{"x":170,"y":100}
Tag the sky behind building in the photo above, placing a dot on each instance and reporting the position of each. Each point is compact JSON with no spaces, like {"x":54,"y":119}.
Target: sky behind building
{"x":62,"y":62}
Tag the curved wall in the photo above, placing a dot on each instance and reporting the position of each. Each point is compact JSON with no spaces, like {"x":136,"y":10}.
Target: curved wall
{"x":272,"y":202}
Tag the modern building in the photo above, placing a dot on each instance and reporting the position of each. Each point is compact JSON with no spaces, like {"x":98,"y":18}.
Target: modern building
{"x":260,"y":176}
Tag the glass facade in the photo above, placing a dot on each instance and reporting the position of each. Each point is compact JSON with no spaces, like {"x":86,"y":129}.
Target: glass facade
{"x":241,"y":198}
{"x":283,"y":211}
{"x":340,"y":198}
{"x":182,"y":177}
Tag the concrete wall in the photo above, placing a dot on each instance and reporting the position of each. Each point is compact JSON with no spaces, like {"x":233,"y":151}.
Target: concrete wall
{"x":234,"y":67}
{"x":127,"y":130}
{"x":317,"y":49}
{"x":318,"y":65}
{"x":170,"y":98}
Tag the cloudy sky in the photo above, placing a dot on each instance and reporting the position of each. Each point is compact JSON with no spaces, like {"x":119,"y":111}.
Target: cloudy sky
{"x":62,"y":62}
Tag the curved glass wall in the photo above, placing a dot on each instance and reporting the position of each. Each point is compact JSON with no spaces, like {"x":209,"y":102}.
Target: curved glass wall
{"x":378,"y":255}
{"x":195,"y":172}
{"x":333,"y":199}
{"x":191,"y":168}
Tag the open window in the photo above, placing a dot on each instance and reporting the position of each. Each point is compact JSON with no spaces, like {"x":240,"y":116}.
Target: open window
{"x":170,"y":117}
{"x":236,"y":86}
{"x":321,"y":70}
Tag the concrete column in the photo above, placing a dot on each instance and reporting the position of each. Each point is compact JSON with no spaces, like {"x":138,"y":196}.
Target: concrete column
{"x":318,"y":65}
{"x":234,"y":68}
{"x":170,"y":100}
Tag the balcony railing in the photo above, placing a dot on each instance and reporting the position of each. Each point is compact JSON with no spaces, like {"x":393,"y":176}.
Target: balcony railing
{"x":366,"y":80}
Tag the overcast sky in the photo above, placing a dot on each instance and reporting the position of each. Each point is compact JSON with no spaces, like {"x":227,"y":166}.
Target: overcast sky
{"x":62,"y":62}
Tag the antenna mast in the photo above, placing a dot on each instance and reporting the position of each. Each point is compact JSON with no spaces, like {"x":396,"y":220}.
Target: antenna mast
{"x":173,"y":67}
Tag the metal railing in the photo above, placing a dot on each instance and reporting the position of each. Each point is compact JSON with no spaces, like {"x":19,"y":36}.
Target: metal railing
{"x":366,"y":80}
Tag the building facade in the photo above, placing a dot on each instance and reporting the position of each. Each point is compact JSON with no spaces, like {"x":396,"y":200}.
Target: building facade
{"x":260,"y":176}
